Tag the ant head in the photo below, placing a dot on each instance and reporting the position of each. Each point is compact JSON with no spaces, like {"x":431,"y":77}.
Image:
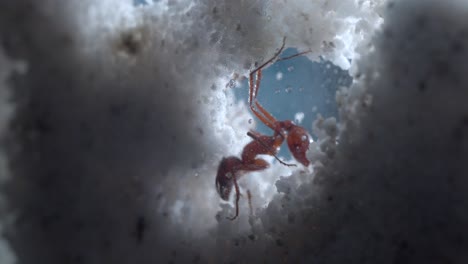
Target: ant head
{"x":225,"y":176}
{"x":298,"y":143}
{"x":224,"y":188}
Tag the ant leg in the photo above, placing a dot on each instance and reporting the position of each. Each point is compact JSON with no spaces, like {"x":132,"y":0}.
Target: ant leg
{"x":251,"y":88}
{"x":268,"y":120}
{"x":269,"y":123}
{"x":257,"y":83}
{"x":264,"y":111}
{"x":249,"y":197}
{"x":267,"y":114}
{"x":237,"y":200}
{"x":256,"y":75}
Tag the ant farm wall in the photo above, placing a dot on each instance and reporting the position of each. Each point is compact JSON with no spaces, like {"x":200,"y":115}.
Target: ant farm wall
{"x":132,"y":131}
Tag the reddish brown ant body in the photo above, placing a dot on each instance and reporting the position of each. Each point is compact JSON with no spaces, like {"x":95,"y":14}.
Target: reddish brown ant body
{"x":297,"y":138}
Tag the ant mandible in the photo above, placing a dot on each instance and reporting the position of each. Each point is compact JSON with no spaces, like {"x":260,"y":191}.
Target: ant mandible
{"x":297,"y":138}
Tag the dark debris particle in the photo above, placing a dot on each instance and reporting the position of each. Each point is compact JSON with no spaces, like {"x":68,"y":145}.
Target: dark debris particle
{"x":403,"y":244}
{"x":291,"y":218}
{"x":377,"y":236}
{"x":279,"y":242}
{"x":422,"y":86}
{"x":43,"y":125}
{"x":458,"y":47}
{"x":130,"y":44}
{"x":441,"y":224}
{"x":421,"y":21}
{"x":442,"y":68}
{"x":140,"y":229}
{"x":196,"y":258}
{"x":459,"y":240}
{"x":116,"y":110}
{"x":272,"y":230}
{"x":49,"y":220}
{"x":159,"y":196}
{"x":78,"y":259}
{"x":465,"y":120}
{"x":200,"y":131}
{"x":330,"y":198}
{"x":107,"y":243}
{"x":461,"y":129}
{"x":251,"y":237}
{"x":48,"y":182}
{"x":411,"y":121}
{"x":79,"y":225}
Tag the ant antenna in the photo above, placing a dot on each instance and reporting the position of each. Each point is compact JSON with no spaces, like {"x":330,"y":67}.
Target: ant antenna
{"x":272,"y":58}
{"x":275,"y":57}
{"x":295,"y":55}
{"x":250,"y":134}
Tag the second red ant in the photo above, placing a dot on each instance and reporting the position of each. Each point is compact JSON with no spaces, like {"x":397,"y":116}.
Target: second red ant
{"x":297,"y":138}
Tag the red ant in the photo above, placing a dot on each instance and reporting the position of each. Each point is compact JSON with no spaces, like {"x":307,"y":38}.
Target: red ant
{"x":297,"y":138}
